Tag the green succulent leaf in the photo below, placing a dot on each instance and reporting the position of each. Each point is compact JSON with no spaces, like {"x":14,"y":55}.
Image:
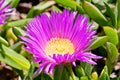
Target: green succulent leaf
{"x":99,"y":42}
{"x":3,"y":41}
{"x":14,"y":3}
{"x":71,"y":4}
{"x":30,"y":72}
{"x":80,"y":9}
{"x":112,"y":52}
{"x":87,"y":69}
{"x":19,"y":23}
{"x":112,"y":15}
{"x":42,"y":76}
{"x":79,"y":71}
{"x":89,"y":0}
{"x":18,"y":31}
{"x":119,"y":38}
{"x":118,"y":16}
{"x":14,"y":59}
{"x":36,"y":10}
{"x":16,"y":46}
{"x":84,"y":78}
{"x":112,"y":56}
{"x":94,"y":76}
{"x":94,"y":13}
{"x":100,"y":2}
{"x":68,"y":3}
{"x":112,"y":34}
{"x":10,"y":35}
{"x":61,"y":73}
{"x":57,"y":9}
{"x":104,"y":74}
{"x":9,"y":61}
{"x":116,"y":78}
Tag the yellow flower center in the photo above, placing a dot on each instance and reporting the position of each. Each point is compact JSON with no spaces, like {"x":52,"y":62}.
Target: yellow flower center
{"x":59,"y":46}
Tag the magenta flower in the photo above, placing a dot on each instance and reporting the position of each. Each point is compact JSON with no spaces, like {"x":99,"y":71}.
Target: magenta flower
{"x":5,"y":11}
{"x":59,"y":39}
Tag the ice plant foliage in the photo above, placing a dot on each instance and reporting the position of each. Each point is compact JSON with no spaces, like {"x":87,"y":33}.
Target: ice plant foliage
{"x":5,"y":11}
{"x":59,"y":39}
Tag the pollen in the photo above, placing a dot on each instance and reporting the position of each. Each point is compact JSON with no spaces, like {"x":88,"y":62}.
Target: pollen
{"x":59,"y":46}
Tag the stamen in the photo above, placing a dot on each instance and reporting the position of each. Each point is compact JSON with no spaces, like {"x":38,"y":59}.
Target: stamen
{"x":59,"y":46}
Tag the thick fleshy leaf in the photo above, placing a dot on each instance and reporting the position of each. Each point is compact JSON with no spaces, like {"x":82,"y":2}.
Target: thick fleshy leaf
{"x":39,"y":8}
{"x":112,"y":52}
{"x":118,"y":16}
{"x":19,"y":23}
{"x":14,"y":59}
{"x":55,"y":8}
{"x":16,"y":46}
{"x":64,"y":72}
{"x":80,"y":9}
{"x":112,"y":15}
{"x":10,"y":35}
{"x":3,"y":41}
{"x":84,"y":78}
{"x":14,"y":3}
{"x":94,"y":76}
{"x":18,"y":32}
{"x":119,"y":38}
{"x":71,"y":4}
{"x":87,"y":69}
{"x":112,"y":34}
{"x":68,"y":3}
{"x":100,"y":2}
{"x":104,"y":74}
{"x":79,"y":71}
{"x":94,"y":13}
{"x":112,"y":56}
{"x":61,"y":73}
{"x":9,"y":61}
{"x":43,"y":76}
{"x":116,"y":78}
{"x":29,"y":74}
{"x":89,"y":0}
{"x":99,"y":42}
